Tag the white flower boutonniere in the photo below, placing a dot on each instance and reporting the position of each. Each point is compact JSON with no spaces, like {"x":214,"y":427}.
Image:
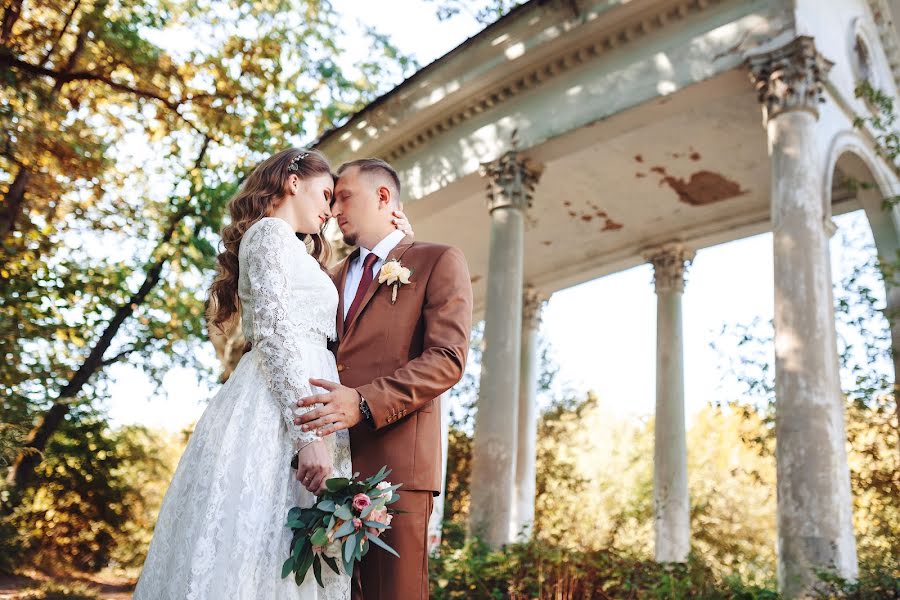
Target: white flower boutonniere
{"x":394,"y":274}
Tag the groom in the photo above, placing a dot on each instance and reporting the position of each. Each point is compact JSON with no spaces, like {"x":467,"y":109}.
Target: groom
{"x":399,"y":348}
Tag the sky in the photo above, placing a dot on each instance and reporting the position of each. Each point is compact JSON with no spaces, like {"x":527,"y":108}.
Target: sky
{"x":602,"y":333}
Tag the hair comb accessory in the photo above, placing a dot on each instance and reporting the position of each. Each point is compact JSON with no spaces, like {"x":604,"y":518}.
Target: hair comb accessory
{"x":294,"y":165}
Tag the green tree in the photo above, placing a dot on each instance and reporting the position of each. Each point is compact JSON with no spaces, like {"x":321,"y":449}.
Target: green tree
{"x":148,"y":461}
{"x":73,"y":516}
{"x":123,"y":152}
{"x":484,"y":13}
{"x":100,"y":491}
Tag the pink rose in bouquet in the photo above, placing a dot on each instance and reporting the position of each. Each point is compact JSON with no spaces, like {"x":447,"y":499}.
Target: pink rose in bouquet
{"x":361,"y":502}
{"x":380,"y":515}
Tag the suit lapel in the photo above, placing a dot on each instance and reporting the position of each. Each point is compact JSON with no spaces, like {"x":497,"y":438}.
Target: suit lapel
{"x":341,"y":282}
{"x":394,"y":254}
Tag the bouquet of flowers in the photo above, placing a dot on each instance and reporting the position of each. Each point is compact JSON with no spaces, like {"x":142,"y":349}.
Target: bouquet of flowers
{"x":340,"y":526}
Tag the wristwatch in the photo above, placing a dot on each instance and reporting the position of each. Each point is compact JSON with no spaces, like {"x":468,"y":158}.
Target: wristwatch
{"x":366,"y":412}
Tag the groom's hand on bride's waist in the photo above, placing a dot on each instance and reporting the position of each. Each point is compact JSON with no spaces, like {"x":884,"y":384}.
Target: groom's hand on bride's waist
{"x":340,"y":408}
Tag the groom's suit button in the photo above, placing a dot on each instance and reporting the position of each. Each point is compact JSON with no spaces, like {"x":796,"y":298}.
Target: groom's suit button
{"x":341,"y":368}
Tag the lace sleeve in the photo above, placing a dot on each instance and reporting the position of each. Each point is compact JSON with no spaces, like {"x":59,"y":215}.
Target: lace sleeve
{"x":274,"y":337}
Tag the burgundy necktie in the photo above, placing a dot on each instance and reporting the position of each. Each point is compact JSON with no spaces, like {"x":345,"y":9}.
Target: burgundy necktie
{"x":364,"y":282}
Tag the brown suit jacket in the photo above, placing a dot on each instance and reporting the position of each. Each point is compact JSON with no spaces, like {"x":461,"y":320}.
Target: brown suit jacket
{"x":401,"y":357}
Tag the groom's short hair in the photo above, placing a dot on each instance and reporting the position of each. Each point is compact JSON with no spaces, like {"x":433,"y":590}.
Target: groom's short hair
{"x":376,"y":166}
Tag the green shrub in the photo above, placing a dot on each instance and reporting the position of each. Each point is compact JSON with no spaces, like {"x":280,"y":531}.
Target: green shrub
{"x":541,"y":570}
{"x":11,"y":546}
{"x":877,"y":581}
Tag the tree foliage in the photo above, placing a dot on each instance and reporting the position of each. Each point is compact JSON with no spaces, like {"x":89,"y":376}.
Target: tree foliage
{"x":126,"y":127}
{"x":98,"y":495}
{"x":484,"y":13}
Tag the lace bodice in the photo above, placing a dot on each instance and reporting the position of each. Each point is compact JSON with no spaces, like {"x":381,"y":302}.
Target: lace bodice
{"x":286,"y":301}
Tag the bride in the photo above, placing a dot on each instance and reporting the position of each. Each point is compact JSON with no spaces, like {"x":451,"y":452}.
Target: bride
{"x":221,"y":530}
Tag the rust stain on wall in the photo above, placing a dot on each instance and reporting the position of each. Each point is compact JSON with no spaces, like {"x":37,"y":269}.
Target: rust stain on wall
{"x":611,"y":225}
{"x":704,"y":187}
{"x":590,"y":212}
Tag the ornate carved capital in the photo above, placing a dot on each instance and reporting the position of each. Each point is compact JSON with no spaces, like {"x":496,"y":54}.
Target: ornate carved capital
{"x":533,"y":303}
{"x":791,"y":77}
{"x":669,"y":265}
{"x":511,"y":181}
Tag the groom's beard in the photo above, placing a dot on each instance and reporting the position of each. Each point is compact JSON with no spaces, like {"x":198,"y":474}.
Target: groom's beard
{"x":350,"y":239}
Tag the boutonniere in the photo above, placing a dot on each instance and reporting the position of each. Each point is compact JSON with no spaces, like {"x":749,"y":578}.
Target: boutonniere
{"x":394,"y":274}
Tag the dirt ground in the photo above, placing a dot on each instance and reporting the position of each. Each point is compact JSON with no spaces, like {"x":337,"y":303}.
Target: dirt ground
{"x":108,"y":587}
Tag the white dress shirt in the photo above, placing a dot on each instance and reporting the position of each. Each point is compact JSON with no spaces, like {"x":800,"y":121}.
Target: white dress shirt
{"x":354,"y":272}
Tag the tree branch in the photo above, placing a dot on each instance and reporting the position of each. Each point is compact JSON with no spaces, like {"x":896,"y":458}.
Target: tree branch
{"x":62,"y":32}
{"x":112,"y":360}
{"x":7,"y":60}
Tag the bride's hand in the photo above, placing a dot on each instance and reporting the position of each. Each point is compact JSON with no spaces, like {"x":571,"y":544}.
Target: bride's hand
{"x":314,"y":466}
{"x":402,"y":223}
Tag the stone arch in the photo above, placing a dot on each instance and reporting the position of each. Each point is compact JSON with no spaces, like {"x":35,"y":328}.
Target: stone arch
{"x":852,"y":157}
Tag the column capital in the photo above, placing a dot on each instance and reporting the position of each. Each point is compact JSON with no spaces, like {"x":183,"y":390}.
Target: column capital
{"x":511,"y":181}
{"x":669,"y":265}
{"x":533,"y":303}
{"x":790,"y":77}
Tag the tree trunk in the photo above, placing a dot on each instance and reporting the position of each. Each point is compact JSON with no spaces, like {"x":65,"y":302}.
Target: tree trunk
{"x":23,"y":472}
{"x":10,"y":16}
{"x":13,"y":203}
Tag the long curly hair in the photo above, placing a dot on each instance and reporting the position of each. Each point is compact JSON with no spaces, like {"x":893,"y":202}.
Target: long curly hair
{"x":255,"y":199}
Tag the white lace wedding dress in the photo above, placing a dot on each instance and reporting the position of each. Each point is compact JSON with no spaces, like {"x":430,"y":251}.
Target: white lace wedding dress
{"x":221,"y":531}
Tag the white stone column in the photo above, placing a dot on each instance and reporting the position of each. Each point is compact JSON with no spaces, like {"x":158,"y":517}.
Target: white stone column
{"x":526,"y":455}
{"x":511,"y":181}
{"x":671,"y":505}
{"x":436,"y":521}
{"x":815,"y":529}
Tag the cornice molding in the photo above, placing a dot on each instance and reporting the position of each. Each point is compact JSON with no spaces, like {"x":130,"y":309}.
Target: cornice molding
{"x":618,"y":34}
